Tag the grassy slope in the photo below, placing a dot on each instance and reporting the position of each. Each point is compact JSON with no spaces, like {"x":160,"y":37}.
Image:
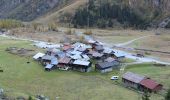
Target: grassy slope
{"x":55,"y":15}
{"x":20,"y":78}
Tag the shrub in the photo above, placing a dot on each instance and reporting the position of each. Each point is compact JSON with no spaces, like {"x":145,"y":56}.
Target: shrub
{"x":88,"y":32}
{"x":9,"y":23}
{"x":68,"y":32}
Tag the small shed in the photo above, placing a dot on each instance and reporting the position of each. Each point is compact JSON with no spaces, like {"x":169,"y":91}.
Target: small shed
{"x":132,"y":80}
{"x":82,"y":66}
{"x":150,"y":85}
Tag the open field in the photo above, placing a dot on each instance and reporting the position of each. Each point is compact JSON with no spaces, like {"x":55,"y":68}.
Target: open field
{"x":20,"y":78}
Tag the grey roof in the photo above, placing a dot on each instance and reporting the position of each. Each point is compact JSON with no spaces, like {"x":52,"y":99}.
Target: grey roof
{"x":38,"y":55}
{"x":108,"y":50}
{"x":136,"y":78}
{"x":106,"y":64}
{"x":61,"y":54}
{"x":49,"y":66}
{"x":109,"y":59}
{"x":99,"y":47}
{"x":79,"y":62}
{"x":96,"y":54}
{"x":54,"y":61}
{"x":47,"y":57}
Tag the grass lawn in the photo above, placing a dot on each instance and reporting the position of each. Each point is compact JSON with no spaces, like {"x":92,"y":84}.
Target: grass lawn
{"x":20,"y":78}
{"x":117,"y":39}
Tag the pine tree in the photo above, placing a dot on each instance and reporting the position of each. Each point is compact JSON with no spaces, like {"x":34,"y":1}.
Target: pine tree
{"x":167,"y":97}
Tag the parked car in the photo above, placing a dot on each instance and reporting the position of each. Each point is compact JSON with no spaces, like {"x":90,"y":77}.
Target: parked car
{"x":114,"y":78}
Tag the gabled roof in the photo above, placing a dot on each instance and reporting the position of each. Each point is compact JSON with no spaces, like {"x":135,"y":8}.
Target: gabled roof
{"x":38,"y":55}
{"x":65,"y":60}
{"x":49,"y":66}
{"x":99,"y":47}
{"x":75,"y":52}
{"x":105,"y":64}
{"x":85,"y":57}
{"x":149,"y":83}
{"x":54,"y":61}
{"x":108,"y":51}
{"x":96,"y":54}
{"x":67,"y":47}
{"x":53,"y":50}
{"x":109,"y":59}
{"x":47,"y":57}
{"x":136,"y":78}
{"x":119,"y":53}
{"x":76,"y":57}
{"x":61,"y":54}
{"x":79,"y":62}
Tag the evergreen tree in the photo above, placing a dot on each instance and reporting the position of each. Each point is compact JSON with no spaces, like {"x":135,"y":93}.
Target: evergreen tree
{"x":167,"y":97}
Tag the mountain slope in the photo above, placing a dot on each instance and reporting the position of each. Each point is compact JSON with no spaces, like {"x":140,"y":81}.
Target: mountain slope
{"x":56,"y":15}
{"x":27,"y":10}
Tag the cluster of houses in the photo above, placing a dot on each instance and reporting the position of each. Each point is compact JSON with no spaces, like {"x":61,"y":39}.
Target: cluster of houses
{"x":80,"y":56}
{"x":140,"y":82}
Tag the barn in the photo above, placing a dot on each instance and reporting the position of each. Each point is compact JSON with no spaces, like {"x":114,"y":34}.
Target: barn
{"x":104,"y":67}
{"x":132,"y":80}
{"x":150,"y":85}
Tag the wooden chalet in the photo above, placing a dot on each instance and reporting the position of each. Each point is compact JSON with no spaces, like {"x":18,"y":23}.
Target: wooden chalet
{"x":82,"y":66}
{"x":46,"y":59}
{"x":104,"y":67}
{"x":64,"y":63}
{"x":132,"y":80}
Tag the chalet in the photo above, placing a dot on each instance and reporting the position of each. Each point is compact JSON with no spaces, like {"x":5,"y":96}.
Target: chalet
{"x":104,"y":67}
{"x":108,"y":52}
{"x":95,"y":55}
{"x":119,"y":55}
{"x":50,"y":62}
{"x":64,"y":63}
{"x":150,"y":85}
{"x":82,"y":66}
{"x":46,"y":59}
{"x":132,"y":80}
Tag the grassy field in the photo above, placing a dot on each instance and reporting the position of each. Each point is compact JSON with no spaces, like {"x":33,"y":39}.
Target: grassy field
{"x":20,"y":78}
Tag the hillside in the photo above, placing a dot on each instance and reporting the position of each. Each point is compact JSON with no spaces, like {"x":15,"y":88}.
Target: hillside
{"x":28,"y":10}
{"x":121,"y":13}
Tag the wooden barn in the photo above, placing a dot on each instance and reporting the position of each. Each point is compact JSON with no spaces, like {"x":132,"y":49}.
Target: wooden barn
{"x":104,"y":67}
{"x":132,"y":80}
{"x":150,"y":85}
